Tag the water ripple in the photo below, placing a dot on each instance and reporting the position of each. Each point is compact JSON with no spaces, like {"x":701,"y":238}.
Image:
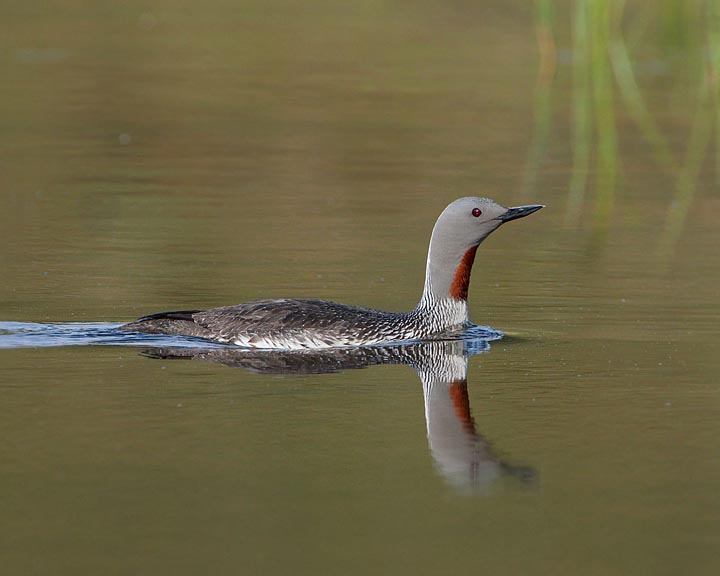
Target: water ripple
{"x":34,"y":335}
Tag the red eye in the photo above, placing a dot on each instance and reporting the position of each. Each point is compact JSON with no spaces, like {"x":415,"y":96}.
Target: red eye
{"x":476,"y":212}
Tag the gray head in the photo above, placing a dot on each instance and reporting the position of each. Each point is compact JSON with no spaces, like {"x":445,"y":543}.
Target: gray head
{"x":458,"y":232}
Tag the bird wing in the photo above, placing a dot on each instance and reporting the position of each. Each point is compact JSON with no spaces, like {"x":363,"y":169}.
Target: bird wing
{"x":254,"y":323}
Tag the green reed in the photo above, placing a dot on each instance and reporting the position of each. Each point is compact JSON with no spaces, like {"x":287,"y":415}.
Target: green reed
{"x":605,"y":85}
{"x":542,"y":117}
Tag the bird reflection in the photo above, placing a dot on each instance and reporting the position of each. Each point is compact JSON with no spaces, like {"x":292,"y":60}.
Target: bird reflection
{"x":462,"y":456}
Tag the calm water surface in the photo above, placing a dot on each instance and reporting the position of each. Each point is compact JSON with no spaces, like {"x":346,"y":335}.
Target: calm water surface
{"x":157,"y":157}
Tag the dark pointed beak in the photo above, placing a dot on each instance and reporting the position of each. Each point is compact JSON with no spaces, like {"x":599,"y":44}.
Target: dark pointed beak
{"x":519,"y":212}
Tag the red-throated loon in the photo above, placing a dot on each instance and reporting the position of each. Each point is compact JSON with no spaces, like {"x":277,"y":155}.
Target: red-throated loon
{"x":302,"y":323}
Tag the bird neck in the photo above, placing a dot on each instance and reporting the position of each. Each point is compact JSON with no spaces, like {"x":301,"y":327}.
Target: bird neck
{"x":447,"y":279}
{"x":447,"y":275}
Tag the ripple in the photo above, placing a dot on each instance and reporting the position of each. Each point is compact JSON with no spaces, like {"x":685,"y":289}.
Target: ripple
{"x":35,"y":335}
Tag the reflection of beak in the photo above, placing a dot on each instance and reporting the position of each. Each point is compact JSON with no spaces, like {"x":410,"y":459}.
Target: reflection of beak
{"x":519,"y":212}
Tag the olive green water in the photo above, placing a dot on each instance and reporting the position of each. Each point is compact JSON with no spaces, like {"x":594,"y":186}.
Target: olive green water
{"x":171,"y":155}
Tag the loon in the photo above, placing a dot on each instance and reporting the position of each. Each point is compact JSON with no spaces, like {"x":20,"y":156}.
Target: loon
{"x":294,"y":324}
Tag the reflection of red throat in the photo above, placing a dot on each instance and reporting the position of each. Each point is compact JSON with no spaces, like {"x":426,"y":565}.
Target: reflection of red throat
{"x":461,"y":281}
{"x":461,"y":402}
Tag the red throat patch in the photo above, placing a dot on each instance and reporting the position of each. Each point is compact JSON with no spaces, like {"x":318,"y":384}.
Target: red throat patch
{"x":461,"y":281}
{"x":459,"y":394}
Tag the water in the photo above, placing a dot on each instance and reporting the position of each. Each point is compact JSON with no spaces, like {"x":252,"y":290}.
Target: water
{"x":159,"y":157}
{"x":32,"y":335}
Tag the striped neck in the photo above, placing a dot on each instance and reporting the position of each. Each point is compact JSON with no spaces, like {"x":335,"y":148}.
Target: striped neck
{"x":440,"y":314}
